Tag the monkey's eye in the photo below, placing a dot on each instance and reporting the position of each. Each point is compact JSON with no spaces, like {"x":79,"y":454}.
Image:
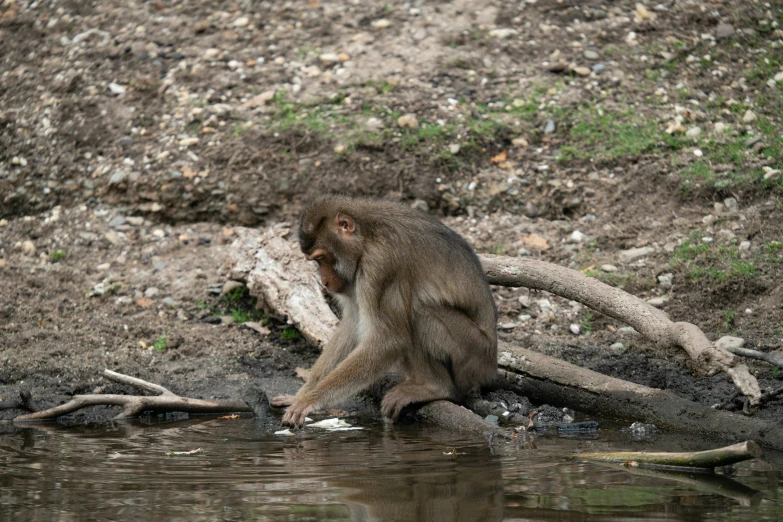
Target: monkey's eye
{"x":320,"y":259}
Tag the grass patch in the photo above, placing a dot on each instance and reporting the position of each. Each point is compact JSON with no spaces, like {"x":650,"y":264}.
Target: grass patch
{"x":709,"y":261}
{"x":290,"y":333}
{"x":160,"y":344}
{"x":59,"y":255}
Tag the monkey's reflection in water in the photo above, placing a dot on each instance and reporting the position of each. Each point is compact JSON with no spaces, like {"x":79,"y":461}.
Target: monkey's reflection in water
{"x":396,"y":480}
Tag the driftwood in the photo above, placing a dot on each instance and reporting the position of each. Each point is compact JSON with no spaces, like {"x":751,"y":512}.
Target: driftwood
{"x":134,"y":405}
{"x":274,"y":270}
{"x":707,"y":460}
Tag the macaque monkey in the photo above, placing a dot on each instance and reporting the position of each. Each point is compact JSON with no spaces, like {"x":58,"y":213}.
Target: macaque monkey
{"x":414,"y":298}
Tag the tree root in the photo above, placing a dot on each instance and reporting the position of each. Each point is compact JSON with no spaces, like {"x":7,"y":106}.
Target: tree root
{"x":759,"y":356}
{"x":652,"y":323}
{"x":134,"y":405}
{"x":25,"y":402}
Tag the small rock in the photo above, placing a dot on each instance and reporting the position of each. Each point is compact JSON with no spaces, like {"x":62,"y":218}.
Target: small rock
{"x":409,"y":121}
{"x":339,"y":149}
{"x":117,"y":178}
{"x":531,"y":210}
{"x":103,"y":267}
{"x":617,"y":347}
{"x":507,"y":326}
{"x":744,"y":246}
{"x":454,"y":148}
{"x":524,"y":252}
{"x":28,"y":248}
{"x":666,"y":280}
{"x":168,"y":301}
{"x":582,"y":71}
{"x":658,"y":301}
{"x":112,"y":237}
{"x":519,"y":142}
{"x":374,"y":124}
{"x":626,"y":256}
{"x":136,"y":221}
{"x":627,"y":330}
{"x":749,"y":116}
{"x":211,"y":54}
{"x":187,"y":142}
{"x":731,"y":204}
{"x":524,"y":300}
{"x":726,"y":236}
{"x":707,"y":239}
{"x":577,"y":237}
{"x":117,"y":221}
{"x":550,"y":127}
{"x":748,"y":311}
{"x":343,"y":57}
{"x":123,"y":301}
{"x":329,"y":59}
{"x":503,"y":33}
{"x":381,"y":24}
{"x":492,"y":419}
{"x":591,"y":55}
{"x":721,"y":127}
{"x":230,"y":285}
{"x":693,"y":132}
{"x":770,"y":173}
{"x":3,"y":222}
{"x":724,"y":30}
{"x":642,"y":13}
{"x":609,"y":268}
{"x":151,"y":292}
{"x":575,"y":329}
{"x":698,"y":153}
{"x":116,"y":88}
{"x":18,"y":160}
{"x":226,"y":320}
{"x":242,"y":21}
{"x":630,"y":38}
{"x":727,"y":341}
{"x":598,"y":67}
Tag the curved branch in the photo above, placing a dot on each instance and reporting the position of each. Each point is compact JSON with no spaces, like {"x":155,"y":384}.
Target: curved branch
{"x":708,"y":459}
{"x":134,"y":405}
{"x":652,"y":323}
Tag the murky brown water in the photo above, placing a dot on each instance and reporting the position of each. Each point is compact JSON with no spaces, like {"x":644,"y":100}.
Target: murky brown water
{"x":125,"y":473}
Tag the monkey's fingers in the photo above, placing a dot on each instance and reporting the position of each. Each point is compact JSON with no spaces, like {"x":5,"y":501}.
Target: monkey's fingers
{"x":282,"y":401}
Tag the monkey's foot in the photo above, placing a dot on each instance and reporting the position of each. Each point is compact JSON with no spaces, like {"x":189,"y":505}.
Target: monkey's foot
{"x":408,"y":393}
{"x":282,"y":401}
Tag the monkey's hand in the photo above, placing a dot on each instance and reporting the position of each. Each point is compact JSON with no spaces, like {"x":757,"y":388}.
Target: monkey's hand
{"x":282,"y":401}
{"x":296,"y":413}
{"x":393,"y":403}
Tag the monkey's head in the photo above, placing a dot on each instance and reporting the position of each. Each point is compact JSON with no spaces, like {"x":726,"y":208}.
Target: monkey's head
{"x":330,"y":235}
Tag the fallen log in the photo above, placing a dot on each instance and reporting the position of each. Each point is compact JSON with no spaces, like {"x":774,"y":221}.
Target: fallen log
{"x":546,"y":379}
{"x":134,"y":405}
{"x":705,"y":460}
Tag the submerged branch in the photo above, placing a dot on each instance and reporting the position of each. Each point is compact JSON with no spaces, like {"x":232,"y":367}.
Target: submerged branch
{"x":707,"y":460}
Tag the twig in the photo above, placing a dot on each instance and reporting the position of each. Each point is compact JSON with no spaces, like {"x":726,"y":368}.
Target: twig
{"x":709,"y":459}
{"x":755,"y":354}
{"x":134,"y":405}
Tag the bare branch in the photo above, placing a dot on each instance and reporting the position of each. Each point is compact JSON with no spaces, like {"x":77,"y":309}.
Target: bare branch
{"x":134,"y":405}
{"x":708,"y":459}
{"x":652,"y":323}
{"x":755,"y":354}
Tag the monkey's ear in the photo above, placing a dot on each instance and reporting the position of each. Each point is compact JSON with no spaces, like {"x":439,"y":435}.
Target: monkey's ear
{"x":345,"y":224}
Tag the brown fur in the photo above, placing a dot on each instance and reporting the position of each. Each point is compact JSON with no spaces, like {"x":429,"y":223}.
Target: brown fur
{"x":413,"y":296}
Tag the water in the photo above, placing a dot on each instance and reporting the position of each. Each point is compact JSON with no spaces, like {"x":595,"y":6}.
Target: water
{"x":124,"y":472}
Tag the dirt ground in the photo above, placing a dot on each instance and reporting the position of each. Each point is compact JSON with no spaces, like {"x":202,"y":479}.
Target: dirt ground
{"x":135,"y":135}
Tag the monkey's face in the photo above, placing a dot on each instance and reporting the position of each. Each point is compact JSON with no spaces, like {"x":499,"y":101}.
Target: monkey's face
{"x":330,"y":243}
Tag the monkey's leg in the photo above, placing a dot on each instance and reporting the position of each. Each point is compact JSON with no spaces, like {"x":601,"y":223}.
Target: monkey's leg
{"x":428,"y":383}
{"x":451,"y":337}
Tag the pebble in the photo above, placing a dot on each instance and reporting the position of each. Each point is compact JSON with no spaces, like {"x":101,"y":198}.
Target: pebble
{"x":159,"y":233}
{"x":3,"y":222}
{"x":721,"y":127}
{"x":575,"y":329}
{"x":598,"y":67}
{"x":187,"y":142}
{"x":151,"y":292}
{"x":609,"y":268}
{"x":631,"y":254}
{"x":617,"y":346}
{"x":374,"y":124}
{"x":693,"y":132}
{"x":524,"y":252}
{"x":728,"y":341}
{"x":116,"y":88}
{"x":383,"y":23}
{"x":230,"y":285}
{"x":409,"y":121}
{"x":658,"y":301}
{"x":507,"y":326}
{"x":520,"y":142}
{"x":731,"y":204}
{"x":454,"y":149}
{"x":591,"y":55}
{"x":329,"y":59}
{"x":550,"y":127}
{"x":770,"y":173}
{"x":698,"y":153}
{"x":339,"y":149}
{"x":117,"y":178}
{"x":744,"y":246}
{"x":503,"y":33}
{"x":724,"y":30}
{"x":28,"y":248}
{"x":707,"y":239}
{"x":748,"y":311}
{"x":749,"y":116}
{"x":666,"y":280}
{"x":726,"y":236}
{"x":18,"y":160}
{"x":577,"y":237}
{"x":135,"y":220}
{"x":112,"y":237}
{"x":117,"y":221}
{"x":103,"y":267}
{"x":169,"y":301}
{"x":242,"y":21}
{"x":582,"y":71}
{"x":211,"y":53}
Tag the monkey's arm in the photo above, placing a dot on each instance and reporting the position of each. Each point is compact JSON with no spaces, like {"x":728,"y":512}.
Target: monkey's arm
{"x":357,"y":371}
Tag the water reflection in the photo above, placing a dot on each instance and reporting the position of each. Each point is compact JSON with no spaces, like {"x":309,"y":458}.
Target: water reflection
{"x":122,"y":471}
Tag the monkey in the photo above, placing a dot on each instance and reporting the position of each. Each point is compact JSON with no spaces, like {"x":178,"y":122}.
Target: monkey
{"x":413,"y":297}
